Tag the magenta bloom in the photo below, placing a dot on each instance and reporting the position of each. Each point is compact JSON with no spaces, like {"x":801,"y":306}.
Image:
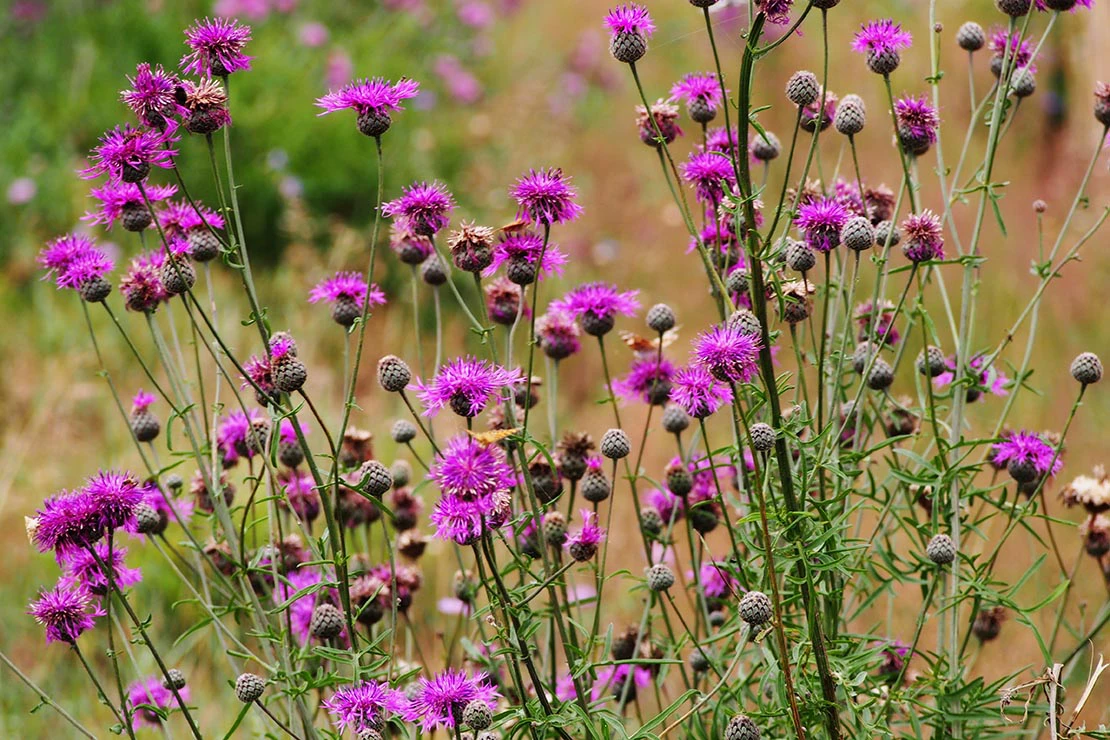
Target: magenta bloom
{"x":241,"y":434}
{"x":883,"y":319}
{"x":466,"y":384}
{"x":699,"y":90}
{"x":1026,"y":447}
{"x":989,"y":379}
{"x":776,"y":11}
{"x":347,"y":286}
{"x":820,"y":222}
{"x":66,"y":522}
{"x":82,"y":571}
{"x":149,"y":700}
{"x":711,"y":174}
{"x":1019,"y":50}
{"x":699,"y":393}
{"x":729,"y":354}
{"x":917,"y":123}
{"x":439,"y":699}
{"x":470,"y":470}
{"x":300,"y":491}
{"x":717,"y":581}
{"x":301,"y":608}
{"x":589,"y":535}
{"x":288,"y":434}
{"x":545,"y":197}
{"x":374,"y":96}
{"x":116,"y":196}
{"x":611,"y":681}
{"x":363,"y":706}
{"x":114,"y":496}
{"x":151,"y":97}
{"x":171,"y":510}
{"x":527,"y":246}
{"x":178,"y":217}
{"x":258,"y":375}
{"x":923,"y":237}
{"x":596,"y":306}
{"x":558,"y":334}
{"x":630,"y":18}
{"x":217,"y":47}
{"x":141,"y":285}
{"x":74,"y":259}
{"x":723,"y":140}
{"x":881,"y":37}
{"x":813,"y":117}
{"x":66,"y":613}
{"x":649,"y":380}
{"x":127,"y":153}
{"x":424,"y":209}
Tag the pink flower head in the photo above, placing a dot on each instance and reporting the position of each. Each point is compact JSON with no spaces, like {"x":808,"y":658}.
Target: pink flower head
{"x":302,"y":579}
{"x":149,"y":700}
{"x":152,"y":95}
{"x":527,"y":246}
{"x":371,"y":96}
{"x":881,"y":37}
{"x":288,"y":434}
{"x":235,"y":434}
{"x":649,"y":380}
{"x":179,"y":217}
{"x":127,"y":153}
{"x":300,"y":491}
{"x":475,"y":481}
{"x":115,"y":195}
{"x":777,"y":11}
{"x":988,"y":379}
{"x":57,"y":256}
{"x":66,"y":613}
{"x":346,"y":286}
{"x":813,"y":117}
{"x":612,"y":680}
{"x":699,"y":393}
{"x":217,"y":47}
{"x":717,"y":581}
{"x":67,"y":522}
{"x":723,"y":140}
{"x":142,"y":401}
{"x":85,"y":267}
{"x":1026,"y":447}
{"x":820,"y":222}
{"x":466,"y":384}
{"x":558,"y":334}
{"x":883,"y":318}
{"x":258,"y":374}
{"x":438,"y":700}
{"x":711,"y":174}
{"x":600,"y":302}
{"x":923,"y":237}
{"x":1012,"y":45}
{"x":171,"y":510}
{"x":114,"y":496}
{"x":630,"y":18}
{"x":545,"y":197}
{"x":589,"y":534}
{"x":702,"y":88}
{"x":281,"y":345}
{"x":362,"y":707}
{"x":917,"y":119}
{"x":729,"y":354}
{"x":83,"y":571}
{"x":141,"y":285}
{"x":423,"y":208}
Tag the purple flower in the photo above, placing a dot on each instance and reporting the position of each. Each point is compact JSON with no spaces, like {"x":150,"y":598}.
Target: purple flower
{"x":178,"y":217}
{"x":989,"y":379}
{"x":699,"y":393}
{"x":439,"y":700}
{"x":666,"y":503}
{"x":301,"y":607}
{"x":475,"y":480}
{"x":466,"y":384}
{"x":729,"y":354}
{"x":349,"y":287}
{"x":611,"y":681}
{"x":649,"y":380}
{"x":717,"y":582}
{"x":149,"y":700}
{"x":151,"y":97}
{"x":1042,"y":6}
{"x":258,"y":375}
{"x":114,"y":496}
{"x":300,"y":491}
{"x":895,"y":653}
{"x":423,"y":208}
{"x":876,"y":38}
{"x":699,"y":89}
{"x":141,"y":285}
{"x":116,"y":197}
{"x":66,"y":613}
{"x":1012,"y":45}
{"x":83,"y":571}
{"x":241,"y":434}
{"x":142,"y":401}
{"x":59,"y":254}
{"x":923,"y":236}
{"x":885,"y":331}
{"x":777,"y":11}
{"x":597,"y":303}
{"x":723,"y":140}
{"x":1026,"y":447}
{"x":630,"y":18}
{"x":820,"y":222}
{"x":558,"y":334}
{"x":369,"y":97}
{"x":527,"y":246}
{"x":545,"y":197}
{"x":917,"y":123}
{"x":287,"y":434}
{"x":217,"y":47}
{"x":660,"y":120}
{"x":711,"y":174}
{"x":127,"y":153}
{"x":171,"y":510}
{"x":66,"y":522}
{"x":590,"y":534}
{"x":363,"y":706}
{"x":814,"y":118}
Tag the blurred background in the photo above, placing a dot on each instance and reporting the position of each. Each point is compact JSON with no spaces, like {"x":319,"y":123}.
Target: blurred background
{"x":506,"y":85}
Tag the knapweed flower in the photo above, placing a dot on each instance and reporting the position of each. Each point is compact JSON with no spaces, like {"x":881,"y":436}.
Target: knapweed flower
{"x":699,"y":393}
{"x":988,"y":380}
{"x":475,"y":481}
{"x":141,"y":285}
{"x":114,"y":496}
{"x":596,"y":306}
{"x":412,"y":249}
{"x":301,"y":494}
{"x":582,"y":543}
{"x":923,"y":237}
{"x":522,"y":250}
{"x":152,"y":95}
{"x":439,"y":701}
{"x":895,"y":654}
{"x":1029,"y":449}
{"x":362,"y":707}
{"x":917,"y":123}
{"x":149,"y":700}
{"x":374,"y":100}
{"x":883,"y":42}
{"x":124,"y":201}
{"x":65,"y":613}
{"x":301,"y":608}
{"x":612,"y":681}
{"x":776,"y":11}
{"x":820,"y":222}
{"x":180,"y":218}
{"x":83,"y":571}
{"x":723,"y":140}
{"x":217,"y":47}
{"x":702,"y":95}
{"x":505,"y":301}
{"x":205,"y":105}
{"x":717,"y":581}
{"x":660,"y":121}
{"x":649,"y":380}
{"x":630,"y":26}
{"x":259,"y":377}
{"x":241,"y":434}
{"x":168,"y":509}
{"x":466,"y":384}
{"x":1005,"y":44}
{"x":711,"y":174}
{"x":558,"y":334}
{"x":545,"y":197}
{"x":127,"y":153}
{"x":883,"y":320}
{"x":729,"y":354}
{"x":814,"y":118}
{"x":424,"y":209}
{"x":348,"y":294}
{"x":60,"y":254}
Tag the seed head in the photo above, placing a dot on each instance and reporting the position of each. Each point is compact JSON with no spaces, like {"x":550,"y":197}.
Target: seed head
{"x":661,"y":318}
{"x":803,"y":88}
{"x":675,"y":419}
{"x":327,"y":622}
{"x":403,"y":431}
{"x":857,"y":234}
{"x":660,"y":577}
{"x":376,"y":479}
{"x":1087,"y":368}
{"x":766,"y":146}
{"x":800,"y":256}
{"x":755,"y":608}
{"x":249,"y":687}
{"x":393,"y":373}
{"x":971,"y":37}
{"x":763,"y":437}
{"x":851,"y":115}
{"x":941,"y":550}
{"x":477,"y":715}
{"x":174,"y":680}
{"x":615,"y":444}
{"x":742,"y":727}
{"x":1014,"y":8}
